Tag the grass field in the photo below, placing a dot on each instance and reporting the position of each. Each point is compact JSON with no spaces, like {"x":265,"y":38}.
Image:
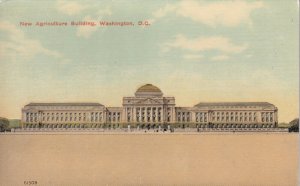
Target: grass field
{"x":150,"y":159}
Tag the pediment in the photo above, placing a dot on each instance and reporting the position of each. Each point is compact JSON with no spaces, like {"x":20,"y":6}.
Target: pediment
{"x":148,"y":101}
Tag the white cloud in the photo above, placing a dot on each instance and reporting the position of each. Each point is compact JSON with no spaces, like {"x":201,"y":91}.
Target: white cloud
{"x":226,"y":13}
{"x":70,"y":7}
{"x":18,"y":45}
{"x":193,"y":56}
{"x":95,"y":14}
{"x":218,"y":43}
{"x":220,"y":58}
{"x":168,"y":8}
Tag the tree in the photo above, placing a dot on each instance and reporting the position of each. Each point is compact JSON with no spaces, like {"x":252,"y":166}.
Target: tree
{"x":4,"y":123}
{"x":294,"y":125}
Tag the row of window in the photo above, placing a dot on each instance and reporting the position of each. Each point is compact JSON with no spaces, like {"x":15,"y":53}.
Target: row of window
{"x":267,"y":116}
{"x":144,"y":113}
{"x":72,"y":125}
{"x":62,"y":119}
{"x":234,"y":118}
{"x":146,"y":119}
{"x":263,"y":114}
{"x":114,"y":117}
{"x":64,"y":114}
{"x":233,"y":107}
{"x":140,"y":117}
{"x":234,"y":113}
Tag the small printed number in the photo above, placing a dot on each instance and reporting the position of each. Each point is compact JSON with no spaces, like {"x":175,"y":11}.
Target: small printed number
{"x":30,"y":182}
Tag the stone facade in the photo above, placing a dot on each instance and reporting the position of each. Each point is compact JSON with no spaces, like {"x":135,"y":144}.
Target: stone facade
{"x":149,"y":109}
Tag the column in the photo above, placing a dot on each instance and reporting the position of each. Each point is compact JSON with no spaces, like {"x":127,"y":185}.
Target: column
{"x":134,"y":114}
{"x":140,"y":114}
{"x":162,"y":114}
{"x":181,"y":116}
{"x":151,"y":114}
{"x":146,"y":114}
{"x":123,"y":115}
{"x":156,"y":114}
{"x":173,"y":119}
{"x":141,"y":110}
{"x":192,"y":117}
{"x":258,"y":117}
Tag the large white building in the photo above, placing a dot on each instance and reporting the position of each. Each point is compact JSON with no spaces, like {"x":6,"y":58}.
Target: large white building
{"x":150,"y":109}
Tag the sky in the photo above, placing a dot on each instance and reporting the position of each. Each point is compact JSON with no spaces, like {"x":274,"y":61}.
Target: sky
{"x":196,"y":51}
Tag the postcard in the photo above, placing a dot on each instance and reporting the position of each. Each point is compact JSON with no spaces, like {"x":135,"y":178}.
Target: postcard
{"x":170,"y":92}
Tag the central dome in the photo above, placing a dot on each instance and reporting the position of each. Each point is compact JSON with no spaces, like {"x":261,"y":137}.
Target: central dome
{"x":148,"y":90}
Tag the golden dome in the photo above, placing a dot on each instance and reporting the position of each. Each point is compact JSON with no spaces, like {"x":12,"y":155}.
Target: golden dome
{"x":148,"y":88}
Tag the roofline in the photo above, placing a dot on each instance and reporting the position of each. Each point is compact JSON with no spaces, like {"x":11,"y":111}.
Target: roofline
{"x":232,"y":103}
{"x":64,"y":104}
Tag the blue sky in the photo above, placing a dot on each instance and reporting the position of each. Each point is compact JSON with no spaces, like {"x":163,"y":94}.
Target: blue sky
{"x":193,"y":50}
